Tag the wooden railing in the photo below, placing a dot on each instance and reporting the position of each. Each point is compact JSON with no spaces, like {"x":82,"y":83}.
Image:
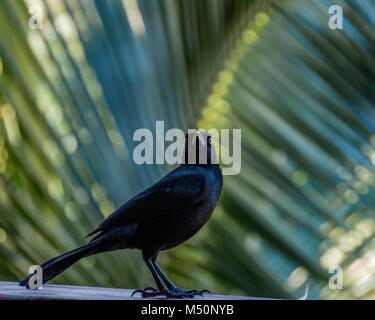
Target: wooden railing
{"x":11,"y":290}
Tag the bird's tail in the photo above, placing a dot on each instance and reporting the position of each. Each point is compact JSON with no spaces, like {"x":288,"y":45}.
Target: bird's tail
{"x":55,"y":266}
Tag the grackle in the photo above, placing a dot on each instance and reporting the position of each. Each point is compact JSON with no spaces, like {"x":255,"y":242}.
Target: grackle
{"x":158,"y":218}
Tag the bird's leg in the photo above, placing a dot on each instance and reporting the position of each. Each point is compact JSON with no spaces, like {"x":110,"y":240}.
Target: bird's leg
{"x":172,"y":287}
{"x":166,"y":280}
{"x":168,"y":289}
{"x":149,"y":291}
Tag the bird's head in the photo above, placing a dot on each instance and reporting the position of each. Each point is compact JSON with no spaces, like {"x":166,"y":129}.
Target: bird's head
{"x":199,"y":149}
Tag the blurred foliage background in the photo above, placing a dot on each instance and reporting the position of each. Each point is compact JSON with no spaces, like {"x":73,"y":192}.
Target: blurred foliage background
{"x":73,"y":93}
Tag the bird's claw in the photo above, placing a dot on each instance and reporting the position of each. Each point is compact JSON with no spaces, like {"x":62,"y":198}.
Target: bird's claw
{"x":170,"y":293}
{"x":145,"y":292}
{"x":200,"y":292}
{"x":191,"y":292}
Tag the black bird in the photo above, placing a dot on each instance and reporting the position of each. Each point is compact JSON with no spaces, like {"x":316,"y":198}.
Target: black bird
{"x":159,"y":218}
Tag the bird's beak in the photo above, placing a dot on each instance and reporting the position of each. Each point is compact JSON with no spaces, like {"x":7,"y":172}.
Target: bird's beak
{"x":200,"y":136}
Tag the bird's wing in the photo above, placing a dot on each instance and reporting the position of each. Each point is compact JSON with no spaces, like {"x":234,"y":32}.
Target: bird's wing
{"x":182,"y":188}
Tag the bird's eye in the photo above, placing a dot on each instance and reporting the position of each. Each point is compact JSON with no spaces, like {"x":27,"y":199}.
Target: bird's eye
{"x":209,"y":140}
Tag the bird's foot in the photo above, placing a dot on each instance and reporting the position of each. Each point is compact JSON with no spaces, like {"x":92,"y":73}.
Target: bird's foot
{"x":190,"y":292}
{"x":147,"y":292}
{"x":170,"y":293}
